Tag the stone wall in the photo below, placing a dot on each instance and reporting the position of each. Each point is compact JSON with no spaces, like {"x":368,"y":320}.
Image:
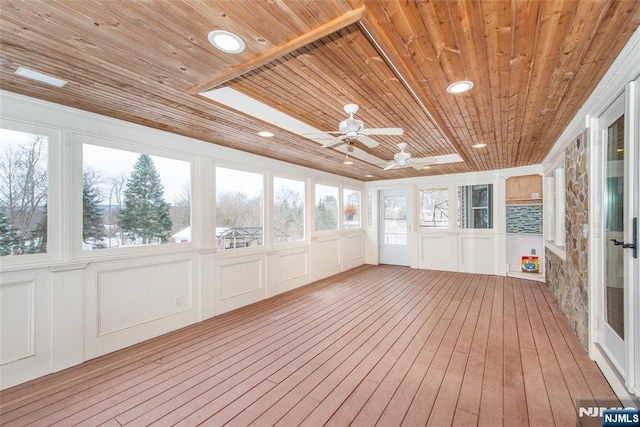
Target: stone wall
{"x":568,"y":279}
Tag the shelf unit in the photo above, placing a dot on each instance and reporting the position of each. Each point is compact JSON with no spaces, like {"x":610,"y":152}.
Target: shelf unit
{"x":524,"y":196}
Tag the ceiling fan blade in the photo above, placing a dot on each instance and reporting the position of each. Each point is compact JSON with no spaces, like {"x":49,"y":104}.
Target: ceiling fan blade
{"x":383,"y":131}
{"x":334,"y":141}
{"x":369,"y":142}
{"x":320,"y":134}
{"x":390,"y":166}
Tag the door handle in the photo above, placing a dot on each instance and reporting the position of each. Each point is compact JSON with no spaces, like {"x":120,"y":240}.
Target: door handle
{"x":634,"y":236}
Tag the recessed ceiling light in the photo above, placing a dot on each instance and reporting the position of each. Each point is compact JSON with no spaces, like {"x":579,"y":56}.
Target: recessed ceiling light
{"x":479,"y":145}
{"x":266,"y":134}
{"x":426,"y":167}
{"x":226,"y":41}
{"x":460,"y":87}
{"x":41,"y":77}
{"x":368,"y":175}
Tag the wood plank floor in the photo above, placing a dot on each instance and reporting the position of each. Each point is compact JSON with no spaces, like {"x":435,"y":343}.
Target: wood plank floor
{"x":376,"y":345}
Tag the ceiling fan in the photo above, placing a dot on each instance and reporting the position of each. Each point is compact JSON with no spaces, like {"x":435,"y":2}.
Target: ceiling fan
{"x":403,"y":159}
{"x":352,"y":130}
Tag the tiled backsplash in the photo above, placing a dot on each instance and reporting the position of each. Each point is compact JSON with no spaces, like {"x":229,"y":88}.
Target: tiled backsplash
{"x":524,"y":219}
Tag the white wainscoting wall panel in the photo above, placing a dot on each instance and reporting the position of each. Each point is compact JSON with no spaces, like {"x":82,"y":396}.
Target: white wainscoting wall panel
{"x":25,"y":330}
{"x":129,"y":301}
{"x":326,"y":256}
{"x":438,"y":251}
{"x":152,"y":292}
{"x":476,"y":254}
{"x":353,"y":250}
{"x":241,"y":281}
{"x":292,"y":269}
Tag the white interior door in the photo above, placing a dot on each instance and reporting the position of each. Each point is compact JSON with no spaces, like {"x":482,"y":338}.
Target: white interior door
{"x":620,"y":189}
{"x":395,"y":227}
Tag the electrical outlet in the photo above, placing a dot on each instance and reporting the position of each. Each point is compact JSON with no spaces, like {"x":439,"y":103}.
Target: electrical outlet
{"x":177,"y":301}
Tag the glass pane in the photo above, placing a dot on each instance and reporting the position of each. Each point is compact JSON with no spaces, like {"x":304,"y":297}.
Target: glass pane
{"x":475,"y":204}
{"x":480,"y":196}
{"x":288,"y":210}
{"x":395,"y":220}
{"x":351,"y":210}
{"x":434,"y":208}
{"x":239,"y":208}
{"x":23,"y":193}
{"x":480,"y":219}
{"x":326,"y":207}
{"x":614,"y":223}
{"x":133,"y":199}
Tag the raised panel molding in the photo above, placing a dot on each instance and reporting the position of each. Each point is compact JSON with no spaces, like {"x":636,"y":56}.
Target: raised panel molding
{"x":129,"y":297}
{"x":434,"y":252}
{"x":353,"y":253}
{"x":17,"y":321}
{"x":477,"y":255}
{"x":240,"y":281}
{"x":292,"y":270}
{"x":326,"y":257}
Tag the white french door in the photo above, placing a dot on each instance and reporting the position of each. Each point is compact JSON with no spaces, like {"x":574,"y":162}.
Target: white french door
{"x":395,"y":227}
{"x":617,"y":289}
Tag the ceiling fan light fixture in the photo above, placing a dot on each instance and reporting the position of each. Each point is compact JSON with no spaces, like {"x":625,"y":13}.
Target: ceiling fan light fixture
{"x":226,"y":41}
{"x":460,"y":87}
{"x":266,"y":134}
{"x":347,"y":160}
{"x":479,"y":145}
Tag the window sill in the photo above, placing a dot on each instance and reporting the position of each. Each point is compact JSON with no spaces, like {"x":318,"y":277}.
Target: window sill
{"x":558,"y":250}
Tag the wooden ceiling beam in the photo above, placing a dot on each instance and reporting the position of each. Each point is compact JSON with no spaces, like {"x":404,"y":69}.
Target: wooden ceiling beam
{"x":292,"y":45}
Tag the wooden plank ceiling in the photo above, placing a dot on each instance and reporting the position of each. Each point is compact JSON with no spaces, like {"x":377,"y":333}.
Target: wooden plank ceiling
{"x":533,"y":63}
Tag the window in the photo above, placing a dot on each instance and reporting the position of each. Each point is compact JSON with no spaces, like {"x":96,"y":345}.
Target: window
{"x":326,"y":207}
{"x":24,"y":180}
{"x":239,"y":208}
{"x":475,"y":206}
{"x":351,"y":208}
{"x":554,"y":206}
{"x":434,"y":208}
{"x":133,"y":199}
{"x":288,"y":210}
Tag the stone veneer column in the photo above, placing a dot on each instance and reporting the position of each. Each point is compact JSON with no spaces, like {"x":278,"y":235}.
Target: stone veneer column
{"x":568,"y":280}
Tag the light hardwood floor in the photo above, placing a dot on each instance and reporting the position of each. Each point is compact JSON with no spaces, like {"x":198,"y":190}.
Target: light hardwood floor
{"x":376,"y":345}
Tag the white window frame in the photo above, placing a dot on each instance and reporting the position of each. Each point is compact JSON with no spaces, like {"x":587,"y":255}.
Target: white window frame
{"x":55,"y":157}
{"x":452,"y":208}
{"x":305,"y":199}
{"x":79,"y":139}
{"x":266,"y":220}
{"x":554,"y":207}
{"x":343,"y":206}
{"x":313,"y":213}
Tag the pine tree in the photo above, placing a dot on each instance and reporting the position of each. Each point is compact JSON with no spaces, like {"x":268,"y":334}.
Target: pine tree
{"x":325,"y":219}
{"x":8,"y":238}
{"x":145,"y":214}
{"x":92,"y":221}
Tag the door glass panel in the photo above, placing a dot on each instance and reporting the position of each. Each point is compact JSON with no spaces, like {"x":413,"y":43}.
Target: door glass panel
{"x":614,"y":223}
{"x":395,"y":220}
